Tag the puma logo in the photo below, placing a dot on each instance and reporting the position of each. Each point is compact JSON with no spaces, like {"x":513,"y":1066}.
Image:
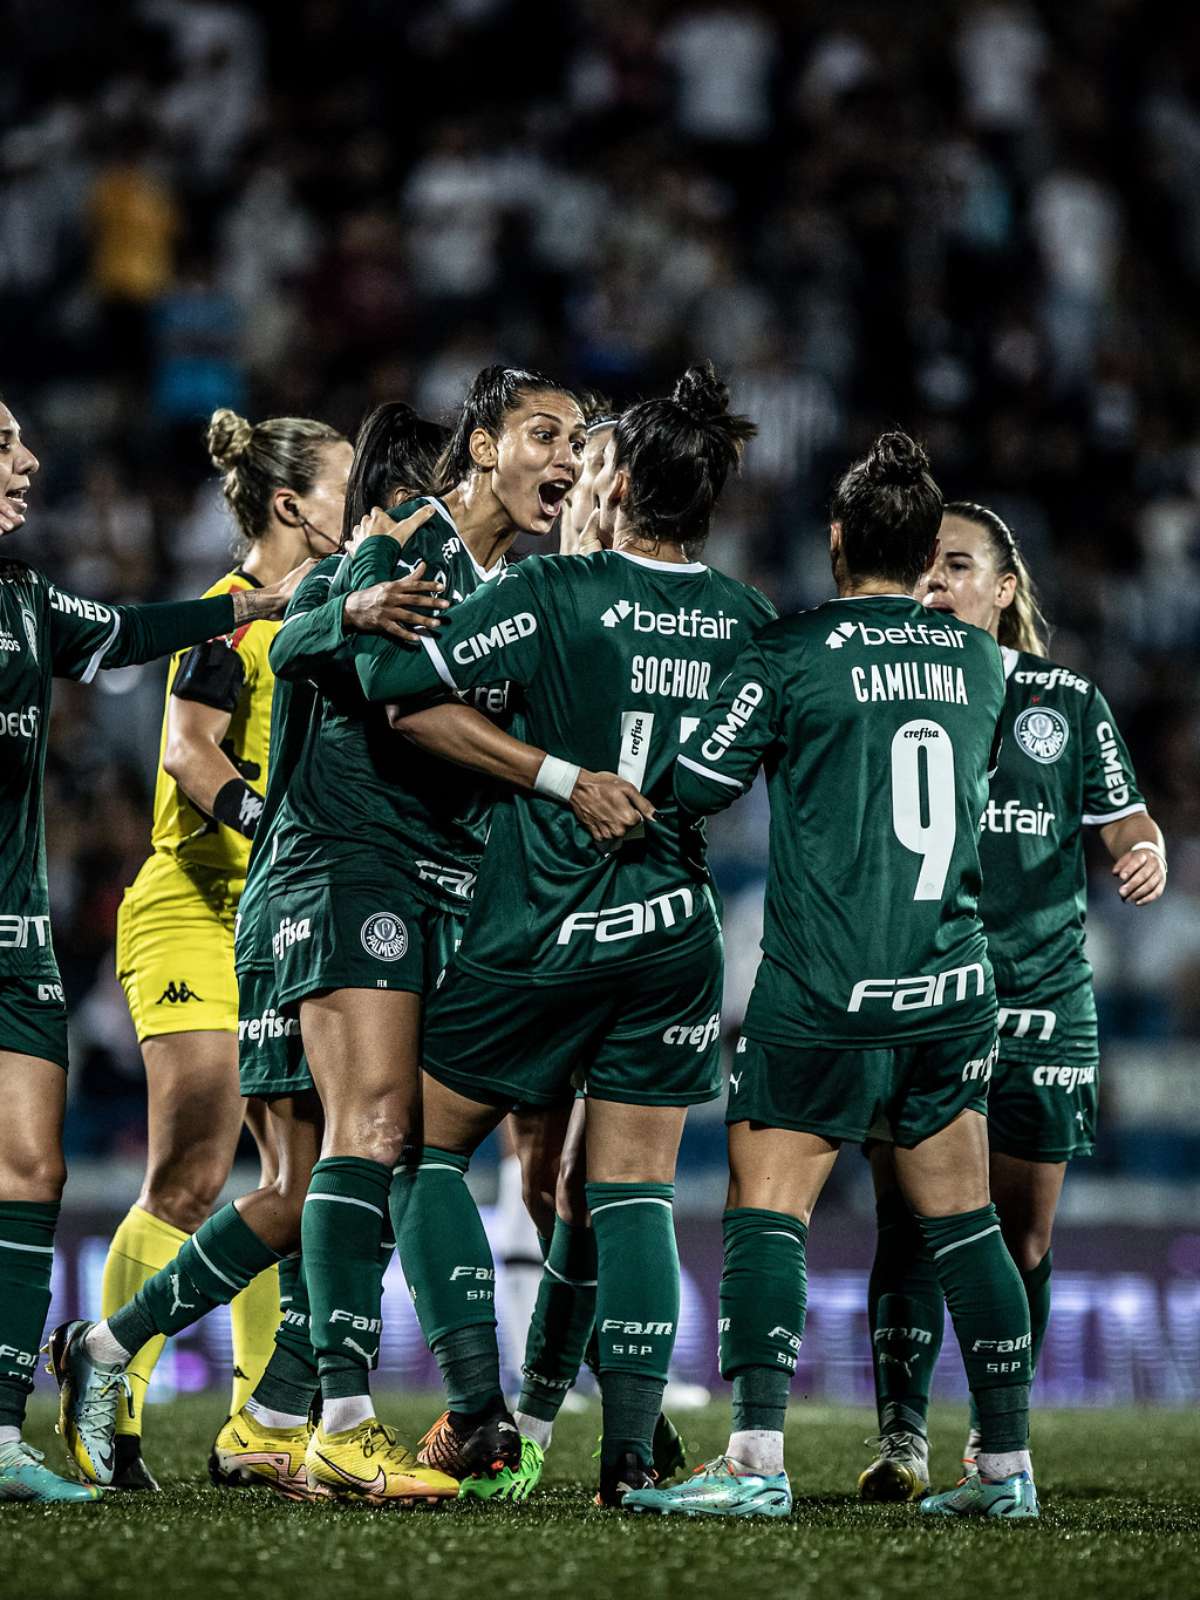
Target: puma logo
{"x":178,"y":1303}
{"x":735,"y":1080}
{"x":358,"y":1349}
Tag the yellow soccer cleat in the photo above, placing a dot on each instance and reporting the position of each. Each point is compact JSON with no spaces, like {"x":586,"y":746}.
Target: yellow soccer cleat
{"x":247,"y":1455}
{"x":368,"y":1463}
{"x":899,"y":1472}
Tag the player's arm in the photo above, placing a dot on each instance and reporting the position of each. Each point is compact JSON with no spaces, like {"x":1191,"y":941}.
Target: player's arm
{"x":86,"y":635}
{"x":204,"y":695}
{"x":720,"y":759}
{"x":605,"y":804}
{"x":1113,"y":803}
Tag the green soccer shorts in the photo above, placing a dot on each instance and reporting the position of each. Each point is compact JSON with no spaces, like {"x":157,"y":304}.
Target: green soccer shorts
{"x":648,"y":1037}
{"x":903,"y":1093}
{"x":33,"y":1019}
{"x":356,"y":936}
{"x":271,"y":1059}
{"x":1044,"y":1110}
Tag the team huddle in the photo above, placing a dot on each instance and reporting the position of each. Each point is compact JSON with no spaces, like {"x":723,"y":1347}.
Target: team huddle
{"x":429,"y":859}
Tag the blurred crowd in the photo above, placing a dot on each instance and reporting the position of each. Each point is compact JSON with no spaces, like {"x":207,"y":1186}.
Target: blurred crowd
{"x":977,"y":218}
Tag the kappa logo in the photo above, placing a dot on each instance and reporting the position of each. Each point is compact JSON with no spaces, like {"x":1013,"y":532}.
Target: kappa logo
{"x":384,"y":936}
{"x":178,"y":994}
{"x":1042,"y":732}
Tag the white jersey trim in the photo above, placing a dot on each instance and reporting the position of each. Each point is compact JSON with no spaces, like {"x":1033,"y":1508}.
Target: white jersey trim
{"x":845,"y":599}
{"x":707,"y":772}
{"x":439,"y":662}
{"x":1011,"y":658}
{"x":93,"y":666}
{"x":661,"y":566}
{"x":1113,"y":816}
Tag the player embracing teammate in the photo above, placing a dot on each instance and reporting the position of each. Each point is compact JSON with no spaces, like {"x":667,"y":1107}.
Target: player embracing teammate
{"x":874,"y":1003}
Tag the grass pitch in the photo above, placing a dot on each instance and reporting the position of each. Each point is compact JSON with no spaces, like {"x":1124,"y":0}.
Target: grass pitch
{"x":1121,"y":1518}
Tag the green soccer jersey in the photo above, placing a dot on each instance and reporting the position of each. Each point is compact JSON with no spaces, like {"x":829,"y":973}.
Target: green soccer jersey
{"x":294,"y":705}
{"x":618,"y":656}
{"x":876,"y":726}
{"x":47,"y":633}
{"x":1063,"y":765}
{"x":360,"y":793}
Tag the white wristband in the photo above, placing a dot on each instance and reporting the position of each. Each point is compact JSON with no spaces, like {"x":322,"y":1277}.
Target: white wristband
{"x":1154,"y":849}
{"x":556,"y":778}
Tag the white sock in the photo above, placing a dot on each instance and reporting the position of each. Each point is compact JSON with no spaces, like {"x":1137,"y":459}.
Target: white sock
{"x":104,"y":1350}
{"x":535,"y":1428}
{"x":267,"y":1418}
{"x":339,"y":1416}
{"x":758,"y":1449}
{"x":9,"y":1435}
{"x":997,"y":1464}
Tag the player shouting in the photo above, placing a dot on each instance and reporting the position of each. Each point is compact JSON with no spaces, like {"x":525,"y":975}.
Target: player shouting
{"x":1063,"y":767}
{"x":608,"y":966}
{"x":48,"y":633}
{"x":876,"y":724}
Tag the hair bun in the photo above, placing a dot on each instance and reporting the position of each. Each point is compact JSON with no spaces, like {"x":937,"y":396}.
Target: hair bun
{"x":701,"y":393}
{"x":896,"y":459}
{"x":229,"y":438}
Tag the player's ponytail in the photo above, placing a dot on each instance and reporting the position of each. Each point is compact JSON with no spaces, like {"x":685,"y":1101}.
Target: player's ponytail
{"x":1022,"y":624}
{"x":678,"y":452}
{"x":889,"y":509}
{"x":258,"y":458}
{"x":494,"y":393}
{"x":395,"y":450}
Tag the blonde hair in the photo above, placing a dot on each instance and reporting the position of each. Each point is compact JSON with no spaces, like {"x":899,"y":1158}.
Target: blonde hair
{"x":258,"y":458}
{"x":1022,"y":624}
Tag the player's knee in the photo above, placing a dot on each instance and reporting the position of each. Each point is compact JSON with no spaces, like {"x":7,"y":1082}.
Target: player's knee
{"x":33,"y":1177}
{"x":538,"y":1192}
{"x":185,"y":1199}
{"x":570,"y":1196}
{"x":1028,"y":1244}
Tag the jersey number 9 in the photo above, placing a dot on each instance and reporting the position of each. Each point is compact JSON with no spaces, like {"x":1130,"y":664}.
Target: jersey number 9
{"x":924,"y":816}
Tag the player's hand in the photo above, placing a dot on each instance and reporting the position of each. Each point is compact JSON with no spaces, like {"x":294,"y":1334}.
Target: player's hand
{"x":396,"y":608}
{"x":377,"y":522}
{"x":1142,"y":876}
{"x":12,"y":515}
{"x":608,"y":806}
{"x":589,"y":540}
{"x":269,"y":602}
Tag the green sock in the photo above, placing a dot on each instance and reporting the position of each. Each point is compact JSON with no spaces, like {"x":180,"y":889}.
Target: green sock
{"x":906,"y":1309}
{"x":763,"y":1294}
{"x":26,"y":1256}
{"x":637,"y":1309}
{"x":451,"y":1276}
{"x":341,"y":1230}
{"x":1037,"y":1292}
{"x":564,"y":1319}
{"x":289,"y":1382}
{"x":991,"y":1320}
{"x":217,"y":1262}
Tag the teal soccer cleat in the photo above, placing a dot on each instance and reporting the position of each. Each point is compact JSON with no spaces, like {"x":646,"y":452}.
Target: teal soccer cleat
{"x":1013,"y":1498}
{"x":23,"y":1476}
{"x":88,"y":1397}
{"x":717,"y":1489}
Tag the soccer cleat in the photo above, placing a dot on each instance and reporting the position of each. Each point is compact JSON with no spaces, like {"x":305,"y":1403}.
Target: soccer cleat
{"x":629,"y":1473}
{"x":670,"y":1456}
{"x":1013,"y":1498}
{"x":492,"y":1447}
{"x":900,"y":1471}
{"x":88,"y":1396}
{"x":718,"y":1489}
{"x":368,"y":1463}
{"x":970,"y":1451}
{"x":510,"y":1483}
{"x":131,"y":1471}
{"x":246,"y":1455}
{"x":23,"y":1476}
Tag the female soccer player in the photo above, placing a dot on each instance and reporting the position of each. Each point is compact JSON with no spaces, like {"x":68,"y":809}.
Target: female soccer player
{"x":285,"y":483}
{"x":874,"y":996}
{"x":266,"y":1223}
{"x":1063,"y":767}
{"x":49,"y":633}
{"x":607,"y":964}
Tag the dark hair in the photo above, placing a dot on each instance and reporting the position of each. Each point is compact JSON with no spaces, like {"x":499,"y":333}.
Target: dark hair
{"x":259,"y":457}
{"x":598,"y":410}
{"x":890,"y":510}
{"x":495,"y":392}
{"x":395,"y":448}
{"x":1022,"y":625}
{"x":678,"y":453}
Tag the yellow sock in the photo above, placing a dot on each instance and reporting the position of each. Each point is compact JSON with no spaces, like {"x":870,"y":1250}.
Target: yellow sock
{"x":141,"y":1246}
{"x":254,"y":1316}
